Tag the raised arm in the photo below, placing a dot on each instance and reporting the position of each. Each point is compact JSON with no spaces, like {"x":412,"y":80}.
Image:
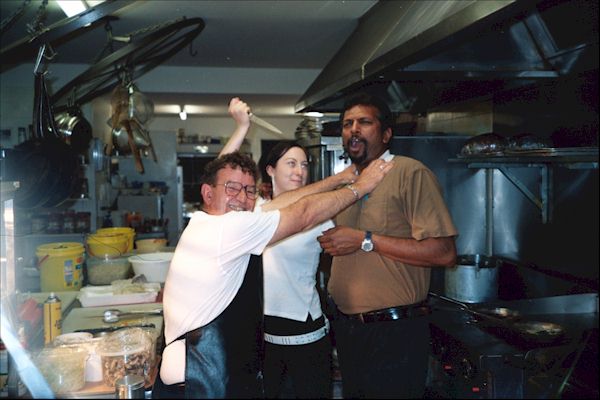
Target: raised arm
{"x":318,"y":207}
{"x":239,"y":111}
{"x":344,"y":177}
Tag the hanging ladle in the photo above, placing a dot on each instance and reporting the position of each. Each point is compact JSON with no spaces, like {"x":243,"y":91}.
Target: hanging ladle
{"x":112,"y":315}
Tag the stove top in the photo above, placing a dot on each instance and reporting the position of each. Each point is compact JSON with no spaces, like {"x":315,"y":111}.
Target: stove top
{"x":472,"y":360}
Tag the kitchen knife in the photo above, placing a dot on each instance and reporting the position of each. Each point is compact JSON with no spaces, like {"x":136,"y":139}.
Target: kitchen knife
{"x":115,"y":328}
{"x":264,"y":124}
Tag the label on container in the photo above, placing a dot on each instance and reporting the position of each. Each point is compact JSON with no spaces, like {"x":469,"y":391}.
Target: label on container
{"x":68,"y":272}
{"x":73,"y":272}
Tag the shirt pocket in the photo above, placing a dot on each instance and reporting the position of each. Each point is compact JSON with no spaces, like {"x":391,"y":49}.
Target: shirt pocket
{"x":374,"y":213}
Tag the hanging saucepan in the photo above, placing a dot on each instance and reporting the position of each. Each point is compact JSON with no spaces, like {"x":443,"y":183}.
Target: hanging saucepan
{"x":74,"y":129}
{"x":44,"y":165}
{"x":30,"y":163}
{"x":120,"y":136}
{"x":64,"y":161}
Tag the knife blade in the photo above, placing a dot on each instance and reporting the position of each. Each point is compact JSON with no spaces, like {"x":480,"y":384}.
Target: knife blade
{"x":264,"y":124}
{"x":115,"y":328}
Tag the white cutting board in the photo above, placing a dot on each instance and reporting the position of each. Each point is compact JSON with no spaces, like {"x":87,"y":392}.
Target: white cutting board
{"x":91,"y":317}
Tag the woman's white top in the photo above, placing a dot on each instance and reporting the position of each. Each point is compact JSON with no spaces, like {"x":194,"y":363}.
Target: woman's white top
{"x":290,"y":268}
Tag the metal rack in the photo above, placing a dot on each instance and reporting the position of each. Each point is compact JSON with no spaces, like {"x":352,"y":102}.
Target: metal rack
{"x":546,"y":164}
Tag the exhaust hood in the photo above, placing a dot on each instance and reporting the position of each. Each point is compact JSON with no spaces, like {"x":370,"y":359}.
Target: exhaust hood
{"x":419,"y":53}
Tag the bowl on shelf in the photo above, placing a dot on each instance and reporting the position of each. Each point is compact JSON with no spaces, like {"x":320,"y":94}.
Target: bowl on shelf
{"x":154,"y":266}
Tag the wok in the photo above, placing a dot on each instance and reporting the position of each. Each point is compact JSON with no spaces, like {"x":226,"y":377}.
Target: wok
{"x":510,"y":325}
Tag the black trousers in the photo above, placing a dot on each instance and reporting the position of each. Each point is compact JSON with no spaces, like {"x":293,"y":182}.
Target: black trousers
{"x":298,"y":371}
{"x":386,"y":359}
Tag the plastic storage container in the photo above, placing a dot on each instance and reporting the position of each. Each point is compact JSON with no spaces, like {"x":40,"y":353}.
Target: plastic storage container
{"x":150,"y":245}
{"x":119,"y":230}
{"x":61,"y":266}
{"x":126,"y":352}
{"x":86,"y":342}
{"x":114,"y":245}
{"x":63,"y":367}
{"x":104,"y":270}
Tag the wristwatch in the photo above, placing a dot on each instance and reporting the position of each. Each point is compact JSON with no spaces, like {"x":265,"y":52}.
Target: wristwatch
{"x":367,"y":243}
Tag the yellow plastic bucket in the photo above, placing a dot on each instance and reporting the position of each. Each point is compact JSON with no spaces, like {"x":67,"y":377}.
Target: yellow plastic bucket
{"x":107,"y":245}
{"x":118,"y":230}
{"x":61,"y":266}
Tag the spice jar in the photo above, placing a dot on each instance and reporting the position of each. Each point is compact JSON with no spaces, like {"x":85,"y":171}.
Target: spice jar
{"x":82,"y":222}
{"x":68,"y":222}
{"x":39,"y":223}
{"x":54,"y":223}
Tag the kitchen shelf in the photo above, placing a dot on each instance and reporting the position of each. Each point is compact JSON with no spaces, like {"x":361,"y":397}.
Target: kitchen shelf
{"x":544,"y":159}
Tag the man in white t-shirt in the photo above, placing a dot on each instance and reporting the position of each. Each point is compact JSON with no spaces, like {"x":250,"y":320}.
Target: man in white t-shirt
{"x":212,"y":299}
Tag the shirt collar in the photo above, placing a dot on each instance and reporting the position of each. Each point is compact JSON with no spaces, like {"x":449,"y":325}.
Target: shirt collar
{"x":387,"y":156}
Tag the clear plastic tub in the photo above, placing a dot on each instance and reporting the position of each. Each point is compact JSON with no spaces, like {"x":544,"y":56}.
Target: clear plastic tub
{"x":63,"y":367}
{"x":126,"y":352}
{"x":104,"y":270}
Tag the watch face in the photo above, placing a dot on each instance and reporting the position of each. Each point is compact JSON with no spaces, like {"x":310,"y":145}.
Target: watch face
{"x":367,"y":245}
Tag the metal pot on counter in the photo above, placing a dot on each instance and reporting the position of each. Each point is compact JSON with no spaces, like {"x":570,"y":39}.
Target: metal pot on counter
{"x":474,"y":279}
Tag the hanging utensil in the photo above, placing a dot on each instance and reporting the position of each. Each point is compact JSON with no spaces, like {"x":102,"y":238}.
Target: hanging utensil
{"x":136,"y":153}
{"x":75,"y":129}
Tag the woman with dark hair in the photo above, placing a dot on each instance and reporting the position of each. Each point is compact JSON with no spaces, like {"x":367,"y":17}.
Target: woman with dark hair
{"x":298,"y":347}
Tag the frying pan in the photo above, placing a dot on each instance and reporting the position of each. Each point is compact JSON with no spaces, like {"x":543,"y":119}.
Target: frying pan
{"x":44,"y":165}
{"x":509,"y":324}
{"x":63,"y":158}
{"x":29,"y":162}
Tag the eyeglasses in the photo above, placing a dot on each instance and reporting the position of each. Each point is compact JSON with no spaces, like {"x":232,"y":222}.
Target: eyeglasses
{"x":234,"y":188}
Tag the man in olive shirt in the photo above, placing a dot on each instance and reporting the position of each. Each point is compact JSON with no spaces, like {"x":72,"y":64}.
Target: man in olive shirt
{"x":384,"y":246}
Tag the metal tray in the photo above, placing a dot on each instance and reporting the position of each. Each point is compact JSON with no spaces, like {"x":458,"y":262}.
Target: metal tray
{"x":554,"y":151}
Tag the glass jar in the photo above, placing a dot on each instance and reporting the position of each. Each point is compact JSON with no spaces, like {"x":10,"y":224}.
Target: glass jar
{"x":68,"y":222}
{"x":82,"y":222}
{"x":54,"y":223}
{"x":39,"y":223}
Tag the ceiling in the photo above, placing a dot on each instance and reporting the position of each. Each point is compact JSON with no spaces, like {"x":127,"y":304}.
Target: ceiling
{"x":237,"y":34}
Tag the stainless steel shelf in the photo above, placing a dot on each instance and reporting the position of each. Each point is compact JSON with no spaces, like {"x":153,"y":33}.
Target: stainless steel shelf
{"x":544,"y":159}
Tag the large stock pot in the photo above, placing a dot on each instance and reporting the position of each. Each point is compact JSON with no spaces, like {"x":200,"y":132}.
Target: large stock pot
{"x":474,"y":279}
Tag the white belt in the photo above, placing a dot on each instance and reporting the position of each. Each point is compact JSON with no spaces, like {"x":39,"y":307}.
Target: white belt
{"x":299,"y":339}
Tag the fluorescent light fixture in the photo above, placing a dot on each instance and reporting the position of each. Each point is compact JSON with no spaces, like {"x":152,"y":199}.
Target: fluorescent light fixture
{"x":183,"y":113}
{"x":72,"y":7}
{"x":314,"y":114}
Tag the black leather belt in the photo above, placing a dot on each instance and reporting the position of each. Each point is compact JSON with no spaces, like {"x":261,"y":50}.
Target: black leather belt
{"x":391,"y":313}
